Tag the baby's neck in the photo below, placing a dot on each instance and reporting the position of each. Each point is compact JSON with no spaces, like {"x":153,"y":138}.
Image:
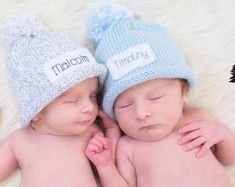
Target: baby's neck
{"x":39,"y":131}
{"x":180,"y":124}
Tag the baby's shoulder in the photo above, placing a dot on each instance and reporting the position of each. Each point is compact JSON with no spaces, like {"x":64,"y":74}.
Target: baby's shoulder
{"x":197,"y":114}
{"x":14,"y":138}
{"x":127,"y":142}
{"x":16,"y":133}
{"x":124,"y":146}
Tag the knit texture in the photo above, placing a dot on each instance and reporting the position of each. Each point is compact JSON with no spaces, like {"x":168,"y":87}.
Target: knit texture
{"x":41,"y":65}
{"x":135,"y":51}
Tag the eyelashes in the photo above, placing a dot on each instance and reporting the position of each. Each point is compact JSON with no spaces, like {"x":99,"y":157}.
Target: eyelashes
{"x":92,"y":96}
{"x":125,"y":105}
{"x":71,"y":101}
{"x":129,"y":104}
{"x":155,"y":98}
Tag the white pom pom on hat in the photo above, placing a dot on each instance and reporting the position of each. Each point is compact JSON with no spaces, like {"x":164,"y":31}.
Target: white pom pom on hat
{"x":18,"y":25}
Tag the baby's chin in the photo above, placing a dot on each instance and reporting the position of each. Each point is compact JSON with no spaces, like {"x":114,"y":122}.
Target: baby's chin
{"x":155,"y":135}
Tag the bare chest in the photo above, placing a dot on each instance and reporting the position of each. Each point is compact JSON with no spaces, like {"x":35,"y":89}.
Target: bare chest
{"x":54,"y":162}
{"x":164,"y":163}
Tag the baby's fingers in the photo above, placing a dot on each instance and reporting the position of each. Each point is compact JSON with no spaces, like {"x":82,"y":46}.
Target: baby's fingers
{"x":193,"y":144}
{"x":190,"y":136}
{"x":203,"y":150}
{"x":190,"y":127}
{"x":92,"y":149}
{"x":99,"y":140}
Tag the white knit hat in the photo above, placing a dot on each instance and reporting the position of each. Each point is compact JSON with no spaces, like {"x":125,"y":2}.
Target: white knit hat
{"x":41,"y":64}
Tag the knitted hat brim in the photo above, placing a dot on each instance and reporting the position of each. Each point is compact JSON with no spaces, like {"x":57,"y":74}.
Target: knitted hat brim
{"x":141,"y":75}
{"x":92,"y":70}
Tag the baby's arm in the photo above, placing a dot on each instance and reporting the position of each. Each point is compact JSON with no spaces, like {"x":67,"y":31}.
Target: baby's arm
{"x":125,"y":162}
{"x":99,"y":151}
{"x":206,"y":133}
{"x":8,"y":161}
{"x":112,"y":131}
{"x":225,"y":150}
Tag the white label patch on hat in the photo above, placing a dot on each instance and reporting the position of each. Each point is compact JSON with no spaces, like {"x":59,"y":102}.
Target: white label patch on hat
{"x":130,"y":59}
{"x":62,"y":65}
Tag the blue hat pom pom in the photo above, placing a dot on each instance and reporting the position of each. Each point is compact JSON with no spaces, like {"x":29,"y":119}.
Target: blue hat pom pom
{"x":104,"y":16}
{"x":20,"y":25}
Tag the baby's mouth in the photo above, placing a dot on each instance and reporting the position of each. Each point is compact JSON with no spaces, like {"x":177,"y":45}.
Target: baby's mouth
{"x":85,"y":122}
{"x":146,"y":127}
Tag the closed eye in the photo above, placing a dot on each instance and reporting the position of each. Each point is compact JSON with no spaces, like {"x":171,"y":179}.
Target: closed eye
{"x":71,"y":101}
{"x":155,"y":98}
{"x":125,"y":105}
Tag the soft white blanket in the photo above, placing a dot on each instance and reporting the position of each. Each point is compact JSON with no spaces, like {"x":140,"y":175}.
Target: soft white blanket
{"x":205,"y":30}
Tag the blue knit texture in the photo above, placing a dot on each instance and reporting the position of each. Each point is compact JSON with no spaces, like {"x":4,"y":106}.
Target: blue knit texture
{"x":103,"y":17}
{"x":136,"y":51}
{"x":32,"y":49}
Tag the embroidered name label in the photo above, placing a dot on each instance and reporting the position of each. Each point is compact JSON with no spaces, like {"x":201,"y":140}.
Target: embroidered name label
{"x":62,"y":65}
{"x":130,"y":59}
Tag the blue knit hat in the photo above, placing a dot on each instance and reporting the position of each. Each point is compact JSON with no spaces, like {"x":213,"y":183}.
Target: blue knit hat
{"x":41,"y":65}
{"x":134,"y":51}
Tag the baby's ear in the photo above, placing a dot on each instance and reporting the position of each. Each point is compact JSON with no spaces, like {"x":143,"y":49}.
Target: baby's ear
{"x":36,"y":118}
{"x":186,"y":93}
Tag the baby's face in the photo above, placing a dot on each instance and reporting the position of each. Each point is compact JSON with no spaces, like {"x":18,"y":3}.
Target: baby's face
{"x":150,"y":111}
{"x":73,"y":111}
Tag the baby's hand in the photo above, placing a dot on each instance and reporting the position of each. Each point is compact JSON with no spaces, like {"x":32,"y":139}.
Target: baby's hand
{"x":203,"y":134}
{"x":99,"y":150}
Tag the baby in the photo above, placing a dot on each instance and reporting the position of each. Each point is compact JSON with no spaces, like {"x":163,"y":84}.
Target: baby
{"x":55,"y":82}
{"x":146,"y":91}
